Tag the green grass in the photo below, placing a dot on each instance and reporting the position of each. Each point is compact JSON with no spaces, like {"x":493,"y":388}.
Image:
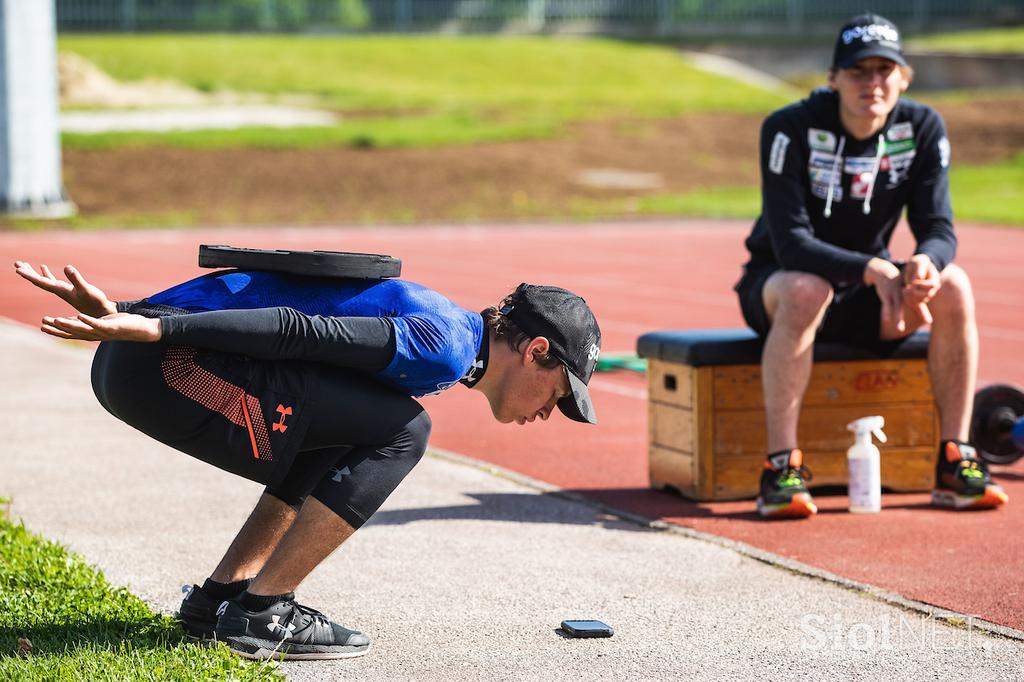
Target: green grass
{"x":994,"y":40}
{"x":937,"y":98}
{"x":82,"y":628}
{"x":717,"y":202}
{"x":990,"y":193}
{"x":982,"y":194}
{"x":422,"y":90}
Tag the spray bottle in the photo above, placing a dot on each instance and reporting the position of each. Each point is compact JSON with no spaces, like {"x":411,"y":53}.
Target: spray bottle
{"x":865,"y":474}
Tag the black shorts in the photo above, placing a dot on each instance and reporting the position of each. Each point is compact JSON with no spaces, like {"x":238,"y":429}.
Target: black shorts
{"x":854,"y":317}
{"x":299,"y":428}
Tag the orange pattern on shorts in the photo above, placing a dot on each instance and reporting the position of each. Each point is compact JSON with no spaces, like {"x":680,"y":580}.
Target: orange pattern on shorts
{"x":195,"y":383}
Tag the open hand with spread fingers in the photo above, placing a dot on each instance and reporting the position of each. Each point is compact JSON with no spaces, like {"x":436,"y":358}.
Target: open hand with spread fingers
{"x":82,"y":296}
{"x":115,"y":327}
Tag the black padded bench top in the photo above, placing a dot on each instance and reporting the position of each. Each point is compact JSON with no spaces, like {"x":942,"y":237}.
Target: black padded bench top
{"x":702,"y":347}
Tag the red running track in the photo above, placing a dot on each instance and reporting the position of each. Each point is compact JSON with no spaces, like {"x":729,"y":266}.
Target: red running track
{"x":638,"y":277}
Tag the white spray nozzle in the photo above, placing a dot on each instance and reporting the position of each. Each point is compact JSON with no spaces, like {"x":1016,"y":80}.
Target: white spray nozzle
{"x":866,"y":425}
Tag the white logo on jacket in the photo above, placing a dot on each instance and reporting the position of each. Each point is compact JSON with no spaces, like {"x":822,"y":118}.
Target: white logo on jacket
{"x":855,"y":165}
{"x":822,"y":140}
{"x":901,"y":131}
{"x":777,"y":157}
{"x":860,"y":183}
{"x":819,"y":172}
{"x":898,"y":167}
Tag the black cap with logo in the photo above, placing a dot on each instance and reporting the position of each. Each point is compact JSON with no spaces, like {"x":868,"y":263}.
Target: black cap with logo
{"x":867,"y":35}
{"x":565,"y":320}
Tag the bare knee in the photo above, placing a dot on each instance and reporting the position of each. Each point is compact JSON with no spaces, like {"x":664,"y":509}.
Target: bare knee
{"x":796,"y":298}
{"x":955,"y":298}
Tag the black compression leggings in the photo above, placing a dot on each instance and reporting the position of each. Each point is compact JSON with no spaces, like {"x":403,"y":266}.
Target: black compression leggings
{"x":363,"y":440}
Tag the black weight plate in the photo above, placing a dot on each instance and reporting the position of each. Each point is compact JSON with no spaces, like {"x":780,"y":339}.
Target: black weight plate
{"x":993,"y":405}
{"x":310,"y":263}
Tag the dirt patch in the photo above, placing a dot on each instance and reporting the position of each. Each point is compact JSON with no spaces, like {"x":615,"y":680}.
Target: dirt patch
{"x":483,"y":181}
{"x":984,"y":131}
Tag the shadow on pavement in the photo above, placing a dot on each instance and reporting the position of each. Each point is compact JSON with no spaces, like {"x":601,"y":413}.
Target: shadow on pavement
{"x":511,"y":507}
{"x":644,"y":502}
{"x":1005,"y":474}
{"x":662,"y":504}
{"x":535,"y":508}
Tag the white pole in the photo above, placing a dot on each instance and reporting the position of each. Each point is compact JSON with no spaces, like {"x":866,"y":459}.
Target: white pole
{"x":536,"y":15}
{"x":30,"y":163}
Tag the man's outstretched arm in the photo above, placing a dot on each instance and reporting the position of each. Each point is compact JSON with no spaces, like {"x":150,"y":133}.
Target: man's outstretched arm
{"x":76,"y":291}
{"x":287,"y":334}
{"x":267,"y":333}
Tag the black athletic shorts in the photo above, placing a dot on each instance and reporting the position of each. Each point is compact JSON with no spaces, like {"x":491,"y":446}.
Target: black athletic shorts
{"x":298,"y":427}
{"x":854,"y":317}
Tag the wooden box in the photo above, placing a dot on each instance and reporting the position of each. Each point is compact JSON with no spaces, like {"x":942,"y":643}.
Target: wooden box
{"x":706,"y":413}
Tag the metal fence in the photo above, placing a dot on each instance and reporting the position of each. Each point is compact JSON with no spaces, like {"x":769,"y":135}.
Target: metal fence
{"x":644,"y":18}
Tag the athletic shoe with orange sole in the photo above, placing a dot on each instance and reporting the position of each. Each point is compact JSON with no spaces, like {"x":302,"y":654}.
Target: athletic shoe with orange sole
{"x":962,"y":480}
{"x":783,"y":488}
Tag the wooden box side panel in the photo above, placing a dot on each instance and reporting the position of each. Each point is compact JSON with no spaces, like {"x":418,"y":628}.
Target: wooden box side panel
{"x":821,"y":429}
{"x":671,"y":468}
{"x":681,"y":439}
{"x":670,"y":383}
{"x":707,"y":433}
{"x":704,"y":421}
{"x":860,"y":382}
{"x":671,"y":427}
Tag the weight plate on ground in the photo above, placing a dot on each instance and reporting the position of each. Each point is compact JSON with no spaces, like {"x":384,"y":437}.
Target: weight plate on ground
{"x":996,"y":409}
{"x":310,"y":263}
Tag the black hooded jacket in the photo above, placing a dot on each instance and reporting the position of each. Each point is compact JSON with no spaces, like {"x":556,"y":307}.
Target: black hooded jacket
{"x":806,"y":155}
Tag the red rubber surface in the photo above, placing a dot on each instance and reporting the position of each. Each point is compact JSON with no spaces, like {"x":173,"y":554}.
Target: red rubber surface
{"x":638,"y":277}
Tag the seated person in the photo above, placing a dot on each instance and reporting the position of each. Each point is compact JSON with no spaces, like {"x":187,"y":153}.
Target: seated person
{"x":838,"y":168}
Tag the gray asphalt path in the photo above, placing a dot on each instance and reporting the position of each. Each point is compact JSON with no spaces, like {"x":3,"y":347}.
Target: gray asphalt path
{"x":464,"y":574}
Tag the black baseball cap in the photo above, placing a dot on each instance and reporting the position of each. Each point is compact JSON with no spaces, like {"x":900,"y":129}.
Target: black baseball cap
{"x":566,"y":321}
{"x":867,"y":35}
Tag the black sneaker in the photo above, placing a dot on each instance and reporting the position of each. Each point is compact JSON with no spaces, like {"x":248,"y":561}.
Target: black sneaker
{"x":286,"y":630}
{"x":962,"y":480}
{"x":783,"y":491}
{"x":198,"y":612}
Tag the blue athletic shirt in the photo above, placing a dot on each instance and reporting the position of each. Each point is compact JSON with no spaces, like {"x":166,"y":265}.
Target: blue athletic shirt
{"x":435,"y":340}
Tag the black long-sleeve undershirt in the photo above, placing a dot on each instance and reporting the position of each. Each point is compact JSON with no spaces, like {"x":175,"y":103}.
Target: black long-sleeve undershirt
{"x":286,"y":334}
